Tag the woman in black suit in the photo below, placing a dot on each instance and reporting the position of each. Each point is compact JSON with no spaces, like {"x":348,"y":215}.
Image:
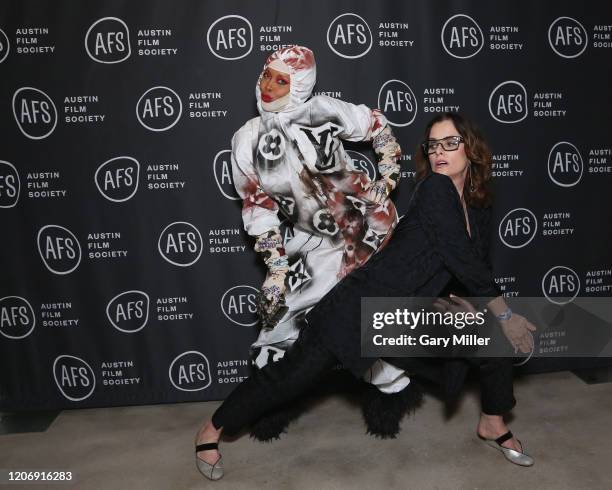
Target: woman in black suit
{"x":440,"y":245}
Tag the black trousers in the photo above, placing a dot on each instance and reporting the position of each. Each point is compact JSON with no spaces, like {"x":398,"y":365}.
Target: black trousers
{"x":494,"y":374}
{"x":276,"y":384}
{"x":496,"y":387}
{"x":307,"y":360}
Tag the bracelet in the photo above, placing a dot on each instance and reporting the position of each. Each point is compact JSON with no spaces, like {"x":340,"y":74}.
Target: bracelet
{"x":505,"y":315}
{"x":388,"y":189}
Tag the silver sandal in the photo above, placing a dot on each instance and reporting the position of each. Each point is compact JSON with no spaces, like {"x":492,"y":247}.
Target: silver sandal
{"x":512,"y":455}
{"x":210,"y":471}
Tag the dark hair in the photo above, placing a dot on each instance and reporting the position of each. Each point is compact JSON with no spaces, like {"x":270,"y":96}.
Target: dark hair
{"x":477,"y":151}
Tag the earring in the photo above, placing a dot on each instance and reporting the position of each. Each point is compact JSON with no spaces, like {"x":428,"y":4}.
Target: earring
{"x":472,"y":188}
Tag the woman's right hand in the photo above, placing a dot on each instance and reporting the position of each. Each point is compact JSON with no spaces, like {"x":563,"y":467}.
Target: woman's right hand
{"x":517,"y":330}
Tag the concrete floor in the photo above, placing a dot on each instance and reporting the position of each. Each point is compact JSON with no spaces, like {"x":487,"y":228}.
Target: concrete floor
{"x":563,"y":422}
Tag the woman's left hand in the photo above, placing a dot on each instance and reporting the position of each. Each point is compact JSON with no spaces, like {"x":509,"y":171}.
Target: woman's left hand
{"x":517,"y":330}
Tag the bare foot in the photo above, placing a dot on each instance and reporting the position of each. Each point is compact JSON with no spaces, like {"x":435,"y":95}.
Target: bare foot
{"x":208,"y":433}
{"x":493,"y":426}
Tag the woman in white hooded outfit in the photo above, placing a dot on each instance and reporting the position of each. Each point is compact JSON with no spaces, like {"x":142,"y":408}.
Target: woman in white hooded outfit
{"x":291,"y":159}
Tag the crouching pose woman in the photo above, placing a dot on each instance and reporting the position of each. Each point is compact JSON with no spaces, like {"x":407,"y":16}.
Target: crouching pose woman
{"x":440,"y":240}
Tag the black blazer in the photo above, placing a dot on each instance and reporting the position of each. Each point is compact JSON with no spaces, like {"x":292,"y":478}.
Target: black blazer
{"x":430,"y":248}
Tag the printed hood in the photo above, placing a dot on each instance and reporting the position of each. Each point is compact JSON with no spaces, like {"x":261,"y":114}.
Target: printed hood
{"x":299,"y":63}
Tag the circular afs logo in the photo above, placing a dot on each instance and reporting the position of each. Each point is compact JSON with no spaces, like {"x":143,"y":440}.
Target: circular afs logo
{"x":462,"y":36}
{"x":230,"y":37}
{"x":349,"y":36}
{"x":239,"y":305}
{"x":17,"y":318}
{"x":117,"y":178}
{"x":74,"y":377}
{"x":4,"y":46}
{"x":560,"y":285}
{"x":35,"y":112}
{"x":567,"y":37}
{"x":10,"y":185}
{"x":518,"y":228}
{"x":361,"y":163}
{"x":59,"y":249}
{"x":190,"y":371}
{"x":222,"y":168}
{"x":180,"y":243}
{"x":565,"y":165}
{"x":159,"y":108}
{"x":108,"y":40}
{"x":508,"y":102}
{"x":129,"y":311}
{"x":396,"y":99}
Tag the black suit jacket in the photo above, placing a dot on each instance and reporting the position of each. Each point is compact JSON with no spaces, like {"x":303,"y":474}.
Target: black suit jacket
{"x":429,"y":248}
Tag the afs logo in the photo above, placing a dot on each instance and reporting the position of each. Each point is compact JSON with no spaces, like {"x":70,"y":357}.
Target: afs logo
{"x":518,"y":228}
{"x":180,"y":243}
{"x":222,"y":168}
{"x":565,"y":165}
{"x":361,"y":163}
{"x":129,"y":311}
{"x":159,"y":108}
{"x":117,"y":178}
{"x":397,"y":101}
{"x":462,"y":37}
{"x":10,"y":185}
{"x":190,"y":371}
{"x":108,"y":41}
{"x":17,"y":318}
{"x":35,"y":112}
{"x":349,"y":36}
{"x":238,"y":304}
{"x":59,"y":249}
{"x":567,"y":37}
{"x":5,"y":46}
{"x":230,"y":37}
{"x":508,"y":102}
{"x":74,"y":377}
{"x":560,"y":285}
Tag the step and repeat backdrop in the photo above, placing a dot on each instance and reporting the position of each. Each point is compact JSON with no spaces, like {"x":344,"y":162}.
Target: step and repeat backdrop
{"x":126,"y":275}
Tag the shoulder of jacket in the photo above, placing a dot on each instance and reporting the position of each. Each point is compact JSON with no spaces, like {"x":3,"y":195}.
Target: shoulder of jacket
{"x":318,"y":98}
{"x":248,"y":130}
{"x":323,"y":100}
{"x":249,"y":126}
{"x":434,"y":180}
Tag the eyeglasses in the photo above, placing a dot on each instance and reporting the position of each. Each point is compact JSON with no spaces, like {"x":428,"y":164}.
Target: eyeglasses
{"x":450,"y":143}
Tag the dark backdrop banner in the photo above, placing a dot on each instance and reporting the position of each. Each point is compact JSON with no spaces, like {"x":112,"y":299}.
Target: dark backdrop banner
{"x":126,"y":275}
